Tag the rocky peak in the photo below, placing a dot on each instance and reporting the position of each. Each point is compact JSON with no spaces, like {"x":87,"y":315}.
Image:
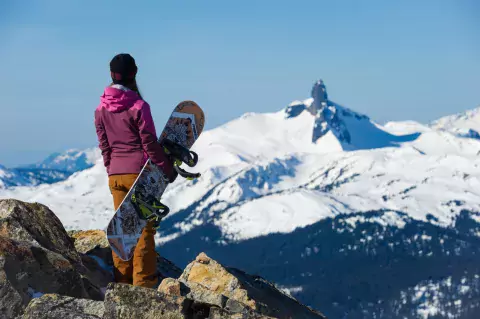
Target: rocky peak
{"x":320,"y":97}
{"x":329,"y":116}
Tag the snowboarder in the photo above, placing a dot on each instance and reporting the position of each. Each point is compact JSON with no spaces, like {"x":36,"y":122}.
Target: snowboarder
{"x":127,"y":138}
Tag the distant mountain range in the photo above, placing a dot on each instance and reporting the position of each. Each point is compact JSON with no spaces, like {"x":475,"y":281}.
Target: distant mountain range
{"x":55,"y":168}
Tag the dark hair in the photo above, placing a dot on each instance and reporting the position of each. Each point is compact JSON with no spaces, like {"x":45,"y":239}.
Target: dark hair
{"x":132,"y":85}
{"x":123,"y":70}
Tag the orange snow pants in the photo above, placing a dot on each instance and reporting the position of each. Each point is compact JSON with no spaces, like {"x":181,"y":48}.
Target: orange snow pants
{"x":141,"y":270}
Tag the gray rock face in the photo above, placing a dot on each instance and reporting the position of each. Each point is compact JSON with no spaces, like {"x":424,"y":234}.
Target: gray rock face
{"x":320,"y":97}
{"x":27,"y":270}
{"x":201,"y":294}
{"x":37,"y":225}
{"x":217,"y":313}
{"x":53,"y":306}
{"x":125,"y":301}
{"x":326,"y":114}
{"x":37,"y":257}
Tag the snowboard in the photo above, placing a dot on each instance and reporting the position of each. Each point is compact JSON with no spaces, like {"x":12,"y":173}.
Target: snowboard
{"x":143,"y":201}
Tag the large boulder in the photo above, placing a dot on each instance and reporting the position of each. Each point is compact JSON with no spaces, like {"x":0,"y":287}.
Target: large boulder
{"x":27,"y":270}
{"x":206,"y":302}
{"x":93,"y":243}
{"x":125,"y":301}
{"x":36,"y":224}
{"x":37,"y":257}
{"x":54,"y":306}
{"x":241,"y":290}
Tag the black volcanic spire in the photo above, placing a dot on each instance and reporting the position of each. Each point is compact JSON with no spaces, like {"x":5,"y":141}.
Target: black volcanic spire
{"x":320,"y":97}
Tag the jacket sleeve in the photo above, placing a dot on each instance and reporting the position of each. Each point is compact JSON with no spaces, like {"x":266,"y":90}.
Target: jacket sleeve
{"x":150,"y":143}
{"x":103,"y":141}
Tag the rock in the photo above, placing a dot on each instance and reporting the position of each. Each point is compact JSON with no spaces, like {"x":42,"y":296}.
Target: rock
{"x":97,"y":271}
{"x":320,"y":97}
{"x":52,"y":306}
{"x":95,"y":254}
{"x":38,"y":225}
{"x":203,"y":258}
{"x":216,"y":278}
{"x":270,"y":300}
{"x":170,"y":286}
{"x":242,"y":290}
{"x":126,"y":301}
{"x":88,"y":240}
{"x":217,"y":313}
{"x":93,"y":243}
{"x":201,"y":294}
{"x":27,"y":270}
{"x":37,"y":257}
{"x":235,"y":306}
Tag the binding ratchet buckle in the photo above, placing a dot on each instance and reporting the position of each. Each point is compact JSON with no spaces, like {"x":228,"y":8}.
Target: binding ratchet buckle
{"x":149,"y":209}
{"x":181,"y":154}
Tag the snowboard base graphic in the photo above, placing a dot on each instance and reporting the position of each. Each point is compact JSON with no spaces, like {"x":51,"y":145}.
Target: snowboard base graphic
{"x":143,"y":201}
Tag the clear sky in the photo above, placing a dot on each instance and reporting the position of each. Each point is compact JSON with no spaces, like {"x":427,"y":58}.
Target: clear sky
{"x":392,"y":60}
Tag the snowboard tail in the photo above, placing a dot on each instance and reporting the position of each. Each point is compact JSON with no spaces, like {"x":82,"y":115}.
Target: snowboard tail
{"x":143,"y":201}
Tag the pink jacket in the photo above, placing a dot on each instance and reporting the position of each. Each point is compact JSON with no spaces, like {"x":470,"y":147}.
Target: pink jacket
{"x":126,"y":133}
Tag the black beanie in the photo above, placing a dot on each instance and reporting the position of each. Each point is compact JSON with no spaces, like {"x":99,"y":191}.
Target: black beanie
{"x":123,"y":68}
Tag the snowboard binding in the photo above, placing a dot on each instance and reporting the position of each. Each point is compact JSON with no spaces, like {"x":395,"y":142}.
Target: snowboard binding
{"x":148,"y":208}
{"x":181,"y":154}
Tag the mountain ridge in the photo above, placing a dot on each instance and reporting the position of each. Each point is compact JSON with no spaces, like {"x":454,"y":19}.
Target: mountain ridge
{"x":55,"y":168}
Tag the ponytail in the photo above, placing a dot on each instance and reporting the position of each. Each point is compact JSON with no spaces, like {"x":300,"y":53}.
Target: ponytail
{"x":132,"y":86}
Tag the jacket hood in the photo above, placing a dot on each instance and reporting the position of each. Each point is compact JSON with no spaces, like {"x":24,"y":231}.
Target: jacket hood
{"x":117,"y":98}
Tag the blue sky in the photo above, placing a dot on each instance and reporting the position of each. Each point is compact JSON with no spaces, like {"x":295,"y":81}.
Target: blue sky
{"x":392,"y":60}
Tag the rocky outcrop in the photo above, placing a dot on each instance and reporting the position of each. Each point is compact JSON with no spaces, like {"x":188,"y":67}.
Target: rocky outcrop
{"x":38,"y":257}
{"x":46,"y":272}
{"x":320,"y":97}
{"x":126,"y":301}
{"x":236,"y":291}
{"x":37,"y":225}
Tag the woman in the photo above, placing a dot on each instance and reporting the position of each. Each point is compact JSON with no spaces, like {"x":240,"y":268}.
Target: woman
{"x":127,"y":137}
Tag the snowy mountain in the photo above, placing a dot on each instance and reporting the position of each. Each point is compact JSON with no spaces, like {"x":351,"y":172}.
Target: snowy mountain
{"x":72,"y":160}
{"x":24,"y":176}
{"x":358,"y":219}
{"x":465,"y":124}
{"x":55,"y":168}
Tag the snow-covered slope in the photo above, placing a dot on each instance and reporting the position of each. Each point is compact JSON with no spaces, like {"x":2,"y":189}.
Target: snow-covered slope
{"x":30,"y":176}
{"x":265,"y":162}
{"x":466,"y":124}
{"x":293,"y":195}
